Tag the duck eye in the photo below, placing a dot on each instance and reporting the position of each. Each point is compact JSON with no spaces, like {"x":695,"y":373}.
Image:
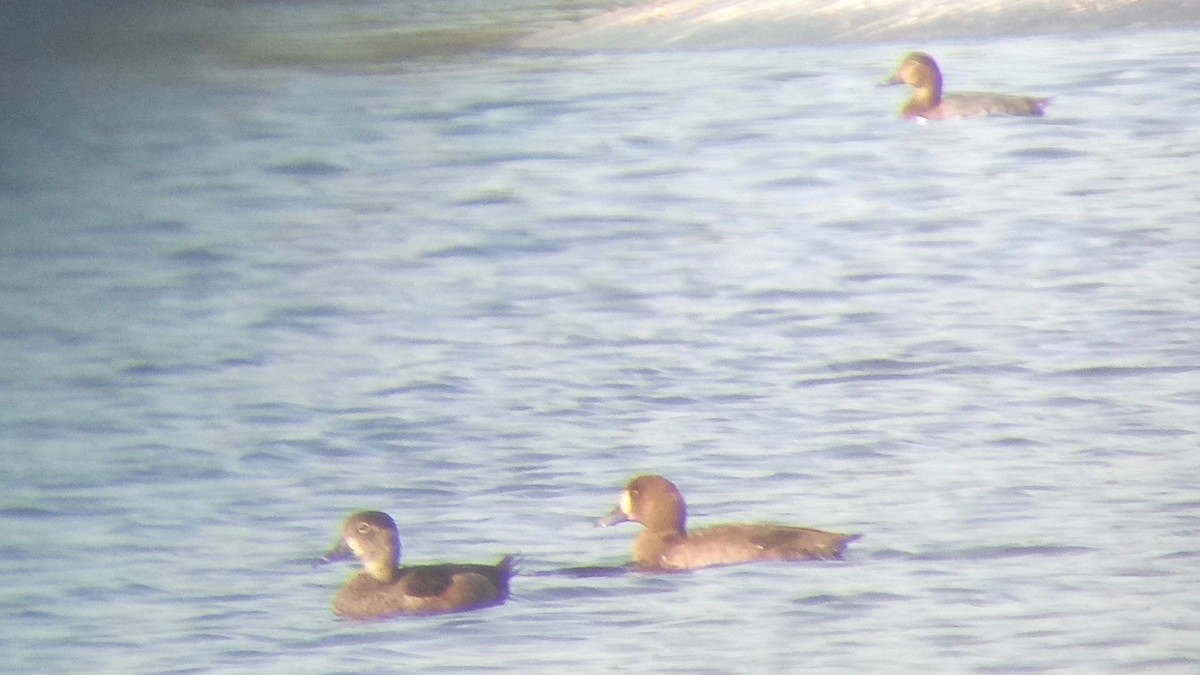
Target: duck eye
{"x":363,"y":528}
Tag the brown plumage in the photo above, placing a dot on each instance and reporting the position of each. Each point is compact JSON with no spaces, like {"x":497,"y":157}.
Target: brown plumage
{"x":666,"y":544}
{"x":384,"y":589}
{"x":928,"y":102}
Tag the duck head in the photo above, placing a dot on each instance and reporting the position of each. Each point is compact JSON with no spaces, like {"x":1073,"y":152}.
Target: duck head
{"x":654,"y":502}
{"x":372,"y":537}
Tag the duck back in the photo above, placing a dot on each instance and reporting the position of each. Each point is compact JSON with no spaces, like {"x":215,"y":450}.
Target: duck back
{"x":972,"y":103}
{"x":425,"y":589}
{"x":733,"y":544}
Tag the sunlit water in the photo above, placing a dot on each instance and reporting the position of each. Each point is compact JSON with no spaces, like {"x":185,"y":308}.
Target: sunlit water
{"x":240,"y":300}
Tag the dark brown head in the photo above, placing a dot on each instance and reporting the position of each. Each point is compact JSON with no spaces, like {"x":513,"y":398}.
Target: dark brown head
{"x":654,"y":502}
{"x":372,"y":537}
{"x":919,"y":70}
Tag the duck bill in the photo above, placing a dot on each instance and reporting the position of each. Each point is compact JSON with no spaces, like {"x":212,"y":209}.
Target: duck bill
{"x":617,"y":516}
{"x":340,"y":551}
{"x":894,"y":79}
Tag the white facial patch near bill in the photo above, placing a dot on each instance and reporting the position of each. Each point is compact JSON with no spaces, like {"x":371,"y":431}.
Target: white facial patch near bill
{"x":626,"y":503}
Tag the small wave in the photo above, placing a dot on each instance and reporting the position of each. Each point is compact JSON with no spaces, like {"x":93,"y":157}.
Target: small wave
{"x":841,"y":602}
{"x":985,"y":553}
{"x":307,"y":167}
{"x":1124,"y":371}
{"x":585,"y":571}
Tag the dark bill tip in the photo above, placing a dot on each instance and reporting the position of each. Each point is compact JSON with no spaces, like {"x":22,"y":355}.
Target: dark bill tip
{"x":340,"y":551}
{"x":617,"y":516}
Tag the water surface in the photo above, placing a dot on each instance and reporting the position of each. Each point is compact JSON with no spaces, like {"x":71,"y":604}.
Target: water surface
{"x":241,"y":297}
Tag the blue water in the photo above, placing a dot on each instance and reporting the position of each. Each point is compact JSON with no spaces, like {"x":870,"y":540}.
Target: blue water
{"x":252,"y":280}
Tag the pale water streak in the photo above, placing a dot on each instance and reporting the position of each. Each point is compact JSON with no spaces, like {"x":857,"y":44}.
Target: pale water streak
{"x":755,"y":23}
{"x":238,"y":303}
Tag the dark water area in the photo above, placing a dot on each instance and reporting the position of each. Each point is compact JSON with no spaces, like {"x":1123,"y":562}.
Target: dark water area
{"x":260,"y":267}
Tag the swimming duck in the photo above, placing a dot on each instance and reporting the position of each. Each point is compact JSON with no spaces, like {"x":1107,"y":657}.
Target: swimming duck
{"x":928,"y":103}
{"x":383,"y":589}
{"x":666,"y":544}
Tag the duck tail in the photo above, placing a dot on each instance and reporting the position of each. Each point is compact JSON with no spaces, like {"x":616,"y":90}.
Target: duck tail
{"x":506,"y":569}
{"x":841,"y":548}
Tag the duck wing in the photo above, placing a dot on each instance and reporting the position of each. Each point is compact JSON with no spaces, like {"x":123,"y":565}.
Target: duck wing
{"x":799,"y":543}
{"x":427,"y":581}
{"x":974,"y":103}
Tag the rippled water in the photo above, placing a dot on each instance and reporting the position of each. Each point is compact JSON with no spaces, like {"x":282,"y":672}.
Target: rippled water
{"x":240,"y":302}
